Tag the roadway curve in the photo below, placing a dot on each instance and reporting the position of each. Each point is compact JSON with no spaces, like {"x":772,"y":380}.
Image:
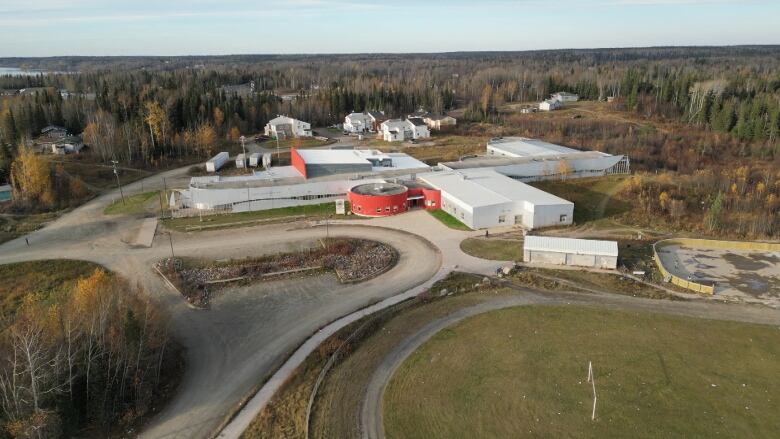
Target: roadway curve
{"x":241,"y":340}
{"x":371,"y":419}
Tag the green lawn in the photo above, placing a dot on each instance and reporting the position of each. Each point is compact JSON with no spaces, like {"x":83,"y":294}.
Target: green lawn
{"x":308,"y":142}
{"x":521,"y":372}
{"x":448,"y":220}
{"x":244,"y":219}
{"x":133,"y":204}
{"x":494,"y":249}
{"x":45,"y":278}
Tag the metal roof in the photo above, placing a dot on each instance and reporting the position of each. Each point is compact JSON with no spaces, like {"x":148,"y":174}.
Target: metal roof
{"x":485,"y":187}
{"x":571,"y":245}
{"x":522,"y":147}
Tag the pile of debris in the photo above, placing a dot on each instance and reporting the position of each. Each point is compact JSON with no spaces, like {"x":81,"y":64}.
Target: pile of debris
{"x":353,"y":260}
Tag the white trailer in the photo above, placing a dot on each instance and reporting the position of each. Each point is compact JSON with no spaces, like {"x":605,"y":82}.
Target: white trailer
{"x":254,"y":159}
{"x":217,"y":161}
{"x":241,"y":161}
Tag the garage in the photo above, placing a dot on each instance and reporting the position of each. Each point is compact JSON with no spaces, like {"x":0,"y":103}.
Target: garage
{"x":569,"y":251}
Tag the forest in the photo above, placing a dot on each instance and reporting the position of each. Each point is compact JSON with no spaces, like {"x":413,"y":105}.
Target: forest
{"x":77,"y":354}
{"x":722,"y":103}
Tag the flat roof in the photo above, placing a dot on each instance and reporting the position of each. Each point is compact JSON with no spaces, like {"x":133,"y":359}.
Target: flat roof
{"x":331,"y":156}
{"x":495,"y":161}
{"x":486,"y":187}
{"x":523,"y":147}
{"x":571,"y":245}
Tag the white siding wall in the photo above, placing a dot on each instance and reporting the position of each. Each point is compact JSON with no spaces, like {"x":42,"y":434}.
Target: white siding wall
{"x":550,"y":215}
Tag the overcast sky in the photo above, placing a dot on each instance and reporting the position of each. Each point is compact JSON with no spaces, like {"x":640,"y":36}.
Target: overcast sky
{"x":204,"y":27}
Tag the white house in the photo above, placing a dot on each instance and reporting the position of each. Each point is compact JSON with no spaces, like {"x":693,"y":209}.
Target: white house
{"x":437,"y":122}
{"x":358,"y":123}
{"x":285,"y":127}
{"x":397,"y":130}
{"x":563,"y":96}
{"x":550,"y":105}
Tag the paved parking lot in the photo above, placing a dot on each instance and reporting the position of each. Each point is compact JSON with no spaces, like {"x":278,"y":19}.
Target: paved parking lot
{"x":748,"y":275}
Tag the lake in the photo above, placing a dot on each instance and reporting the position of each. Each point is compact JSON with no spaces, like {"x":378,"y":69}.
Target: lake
{"x":15,"y":71}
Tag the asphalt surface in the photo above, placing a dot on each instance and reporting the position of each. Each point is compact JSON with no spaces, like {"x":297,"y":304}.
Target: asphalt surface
{"x":371,"y":419}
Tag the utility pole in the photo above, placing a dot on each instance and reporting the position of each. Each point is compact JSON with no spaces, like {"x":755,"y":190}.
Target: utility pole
{"x":277,"y":149}
{"x":173,"y":257}
{"x":119,"y":185}
{"x":243,"y":148}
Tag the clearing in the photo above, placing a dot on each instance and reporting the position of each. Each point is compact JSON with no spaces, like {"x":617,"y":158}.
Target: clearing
{"x":147,"y":202}
{"x":494,"y":248}
{"x":523,"y":371}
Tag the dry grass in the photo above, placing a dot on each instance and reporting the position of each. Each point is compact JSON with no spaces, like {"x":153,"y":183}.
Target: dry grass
{"x":494,"y":249}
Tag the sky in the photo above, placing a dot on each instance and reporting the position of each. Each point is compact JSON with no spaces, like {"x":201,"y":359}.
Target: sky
{"x":208,"y":27}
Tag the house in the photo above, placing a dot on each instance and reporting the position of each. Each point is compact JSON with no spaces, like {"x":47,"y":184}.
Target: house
{"x":377,"y":117}
{"x":67,"y":145}
{"x":438,"y":121}
{"x":285,"y":127}
{"x":397,"y":130}
{"x":550,"y":105}
{"x":239,"y":90}
{"x":357,"y":123}
{"x":563,"y":97}
{"x":419,"y":128}
{"x":55,"y":132}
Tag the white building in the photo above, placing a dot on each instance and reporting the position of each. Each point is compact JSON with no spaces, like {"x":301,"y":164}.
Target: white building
{"x":357,"y":123}
{"x":533,"y":160}
{"x":481,"y":198}
{"x":397,"y":130}
{"x":564,"y":97}
{"x":285,"y":127}
{"x":550,"y":105}
{"x":438,"y":122}
{"x":568,"y":251}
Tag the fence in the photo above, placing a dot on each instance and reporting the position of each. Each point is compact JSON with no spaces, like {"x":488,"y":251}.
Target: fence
{"x":705,"y":243}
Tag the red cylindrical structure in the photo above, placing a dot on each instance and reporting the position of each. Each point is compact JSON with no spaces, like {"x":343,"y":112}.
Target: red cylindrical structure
{"x":378,"y":199}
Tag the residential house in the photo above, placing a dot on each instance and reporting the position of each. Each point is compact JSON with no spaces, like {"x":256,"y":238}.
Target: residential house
{"x":285,"y":127}
{"x":67,"y":145}
{"x":377,"y":117}
{"x":398,"y":130}
{"x":55,"y":132}
{"x":357,"y":123}
{"x":438,"y":121}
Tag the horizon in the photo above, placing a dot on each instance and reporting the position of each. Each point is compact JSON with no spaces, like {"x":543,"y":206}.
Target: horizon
{"x":59,"y":28}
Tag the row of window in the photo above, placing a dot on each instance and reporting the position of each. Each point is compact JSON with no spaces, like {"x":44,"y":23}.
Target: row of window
{"x":379,"y":209}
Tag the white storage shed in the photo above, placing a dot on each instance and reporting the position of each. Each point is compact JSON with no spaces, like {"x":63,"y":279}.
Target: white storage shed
{"x":568,"y":251}
{"x":217,"y":161}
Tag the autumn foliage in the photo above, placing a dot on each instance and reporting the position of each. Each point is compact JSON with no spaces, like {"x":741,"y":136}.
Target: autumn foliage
{"x":94,"y":356}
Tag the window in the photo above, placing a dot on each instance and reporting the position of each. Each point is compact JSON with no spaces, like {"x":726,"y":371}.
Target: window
{"x":387,"y":209}
{"x":359,"y":208}
{"x":501,"y":219}
{"x":563,"y":218}
{"x":461,"y":215}
{"x":378,"y":210}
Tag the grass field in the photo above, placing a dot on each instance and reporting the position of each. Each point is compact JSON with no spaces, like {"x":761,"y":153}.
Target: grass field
{"x":98,"y":176}
{"x":40,"y":277}
{"x":134,"y":204}
{"x":593,"y":198}
{"x":494,"y":249}
{"x":245,"y":219}
{"x":288,"y":143}
{"x":448,"y":220}
{"x":521,"y":372}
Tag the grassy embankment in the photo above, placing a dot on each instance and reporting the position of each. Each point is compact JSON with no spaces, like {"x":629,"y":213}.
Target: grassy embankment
{"x":44,"y":278}
{"x":656,"y":376}
{"x":135,"y":204}
{"x":245,"y":219}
